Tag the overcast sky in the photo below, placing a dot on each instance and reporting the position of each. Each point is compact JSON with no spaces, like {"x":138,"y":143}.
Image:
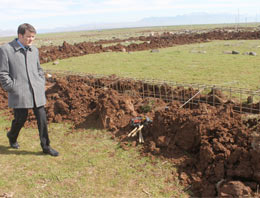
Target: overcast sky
{"x":60,"y":13}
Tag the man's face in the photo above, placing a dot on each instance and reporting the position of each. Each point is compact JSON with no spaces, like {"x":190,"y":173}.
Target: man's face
{"x":27,"y":39}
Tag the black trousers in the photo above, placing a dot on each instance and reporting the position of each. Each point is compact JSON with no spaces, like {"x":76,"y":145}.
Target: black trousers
{"x":20,"y":117}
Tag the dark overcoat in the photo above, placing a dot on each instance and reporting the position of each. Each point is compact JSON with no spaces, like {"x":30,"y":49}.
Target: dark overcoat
{"x":22,"y":76}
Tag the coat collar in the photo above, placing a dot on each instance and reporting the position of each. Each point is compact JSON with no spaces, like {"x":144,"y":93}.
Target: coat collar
{"x":17,"y":46}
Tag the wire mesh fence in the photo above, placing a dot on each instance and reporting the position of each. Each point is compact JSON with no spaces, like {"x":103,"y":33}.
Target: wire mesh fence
{"x":188,"y":94}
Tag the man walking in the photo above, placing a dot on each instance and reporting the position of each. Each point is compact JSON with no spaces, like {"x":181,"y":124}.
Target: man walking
{"x":23,"y":78}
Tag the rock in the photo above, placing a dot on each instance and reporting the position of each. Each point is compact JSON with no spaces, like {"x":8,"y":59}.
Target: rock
{"x":56,"y":62}
{"x":235,"y":52}
{"x":154,"y":51}
{"x":252,"y":53}
{"x":199,"y":51}
{"x":227,"y":52}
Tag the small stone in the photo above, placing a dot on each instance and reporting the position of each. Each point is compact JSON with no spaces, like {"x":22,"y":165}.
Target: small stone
{"x":235,"y":52}
{"x":227,"y":52}
{"x":252,"y":53}
{"x":154,"y":51}
{"x":56,"y":62}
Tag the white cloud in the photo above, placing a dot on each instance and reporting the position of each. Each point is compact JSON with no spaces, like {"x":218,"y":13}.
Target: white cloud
{"x":13,"y":11}
{"x":35,"y":4}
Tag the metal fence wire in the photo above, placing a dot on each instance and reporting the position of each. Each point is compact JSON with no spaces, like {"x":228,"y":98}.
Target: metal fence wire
{"x":188,"y":94}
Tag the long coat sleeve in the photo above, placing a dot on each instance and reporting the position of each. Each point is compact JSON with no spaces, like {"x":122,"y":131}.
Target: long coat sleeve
{"x":22,"y":76}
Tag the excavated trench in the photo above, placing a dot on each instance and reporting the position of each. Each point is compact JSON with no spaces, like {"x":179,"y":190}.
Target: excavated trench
{"x":216,"y":149}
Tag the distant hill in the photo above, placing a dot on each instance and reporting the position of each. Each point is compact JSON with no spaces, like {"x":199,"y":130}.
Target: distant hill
{"x":186,"y":19}
{"x":194,"y":18}
{"x":4,"y":33}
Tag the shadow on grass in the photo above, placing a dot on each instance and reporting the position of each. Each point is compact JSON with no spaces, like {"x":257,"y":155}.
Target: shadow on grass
{"x":6,"y":150}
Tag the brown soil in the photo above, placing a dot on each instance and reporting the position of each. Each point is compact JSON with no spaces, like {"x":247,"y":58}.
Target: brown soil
{"x":215,"y":150}
{"x":51,"y":53}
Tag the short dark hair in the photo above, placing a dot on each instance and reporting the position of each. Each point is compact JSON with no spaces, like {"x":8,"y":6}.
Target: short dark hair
{"x":25,"y":26}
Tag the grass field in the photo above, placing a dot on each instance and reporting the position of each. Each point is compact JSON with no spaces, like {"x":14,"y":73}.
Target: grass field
{"x":204,"y":63}
{"x":90,"y":164}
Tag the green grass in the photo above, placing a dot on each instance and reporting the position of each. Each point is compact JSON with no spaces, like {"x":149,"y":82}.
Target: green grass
{"x":90,"y":164}
{"x":180,"y":64}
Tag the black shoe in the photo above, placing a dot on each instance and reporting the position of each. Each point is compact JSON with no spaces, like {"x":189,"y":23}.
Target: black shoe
{"x":13,"y":144}
{"x":50,"y":151}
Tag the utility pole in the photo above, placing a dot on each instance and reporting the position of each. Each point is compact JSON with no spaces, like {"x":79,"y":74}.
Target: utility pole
{"x":237,"y":18}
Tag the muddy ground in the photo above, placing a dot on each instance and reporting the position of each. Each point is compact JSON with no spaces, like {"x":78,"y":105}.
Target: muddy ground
{"x":214,"y":147}
{"x":167,"y":39}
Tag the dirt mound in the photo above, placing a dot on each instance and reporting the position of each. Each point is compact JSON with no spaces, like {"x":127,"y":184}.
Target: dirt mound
{"x":51,"y":53}
{"x":217,"y":151}
{"x":3,"y":99}
{"x":72,"y":99}
{"x":216,"y":139}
